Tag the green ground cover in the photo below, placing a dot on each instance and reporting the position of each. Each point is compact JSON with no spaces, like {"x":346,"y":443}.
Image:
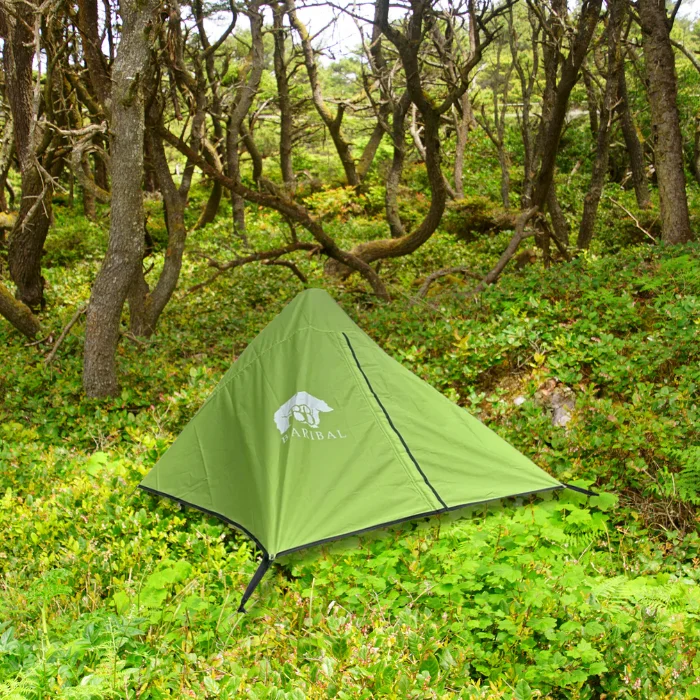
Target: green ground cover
{"x":107,"y":592}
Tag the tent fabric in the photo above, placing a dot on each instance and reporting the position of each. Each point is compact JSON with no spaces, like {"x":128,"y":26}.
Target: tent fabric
{"x":315,"y":433}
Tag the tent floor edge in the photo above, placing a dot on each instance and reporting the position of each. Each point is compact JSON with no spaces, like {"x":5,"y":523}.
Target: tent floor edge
{"x":257,"y":577}
{"x":417,"y":516}
{"x":206,"y":511}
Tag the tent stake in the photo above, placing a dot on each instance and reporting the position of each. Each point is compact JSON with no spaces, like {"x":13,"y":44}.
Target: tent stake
{"x":260,"y":572}
{"x":580,"y":490}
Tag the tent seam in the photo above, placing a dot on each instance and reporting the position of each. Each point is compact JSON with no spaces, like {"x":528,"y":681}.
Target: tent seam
{"x":393,"y":427}
{"x":400,"y":456}
{"x":226,"y":519}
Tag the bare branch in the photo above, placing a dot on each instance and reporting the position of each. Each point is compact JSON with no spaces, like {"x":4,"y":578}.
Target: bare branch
{"x":442,"y":273}
{"x":74,"y":319}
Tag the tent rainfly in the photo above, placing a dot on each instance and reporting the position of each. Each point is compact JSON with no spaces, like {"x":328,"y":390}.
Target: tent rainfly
{"x":315,"y":433}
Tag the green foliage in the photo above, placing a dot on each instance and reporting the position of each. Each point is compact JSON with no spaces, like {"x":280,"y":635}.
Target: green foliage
{"x":685,"y":484}
{"x":470,"y":216}
{"x":107,"y":592}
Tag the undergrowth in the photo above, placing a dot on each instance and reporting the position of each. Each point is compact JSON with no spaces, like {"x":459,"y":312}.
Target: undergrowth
{"x":107,"y":592}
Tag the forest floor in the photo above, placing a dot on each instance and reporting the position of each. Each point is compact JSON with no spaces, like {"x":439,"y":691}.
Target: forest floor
{"x":108,"y":592}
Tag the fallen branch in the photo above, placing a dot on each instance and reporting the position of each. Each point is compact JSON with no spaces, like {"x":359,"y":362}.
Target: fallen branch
{"x":41,"y":341}
{"x":130,"y":336}
{"x":74,"y":319}
{"x":633,"y":217}
{"x":287,"y":207}
{"x":18,"y":314}
{"x":442,"y":273}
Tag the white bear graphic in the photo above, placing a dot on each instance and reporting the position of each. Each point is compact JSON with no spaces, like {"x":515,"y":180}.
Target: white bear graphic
{"x":304,"y":408}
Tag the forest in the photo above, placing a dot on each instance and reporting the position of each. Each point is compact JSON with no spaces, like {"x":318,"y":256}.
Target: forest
{"x":503,"y":194}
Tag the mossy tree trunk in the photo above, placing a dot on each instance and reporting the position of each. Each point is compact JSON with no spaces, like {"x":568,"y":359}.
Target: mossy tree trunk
{"x":18,"y":314}
{"x":27,"y":238}
{"x":126,"y":235}
{"x":662,"y":91}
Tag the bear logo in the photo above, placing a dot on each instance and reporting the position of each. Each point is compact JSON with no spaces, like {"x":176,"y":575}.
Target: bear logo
{"x":302,"y":407}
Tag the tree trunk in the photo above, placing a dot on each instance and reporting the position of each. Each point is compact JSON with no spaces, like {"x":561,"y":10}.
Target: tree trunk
{"x":253,"y":152}
{"x":406,"y":244}
{"x":696,"y":150}
{"x":284,"y":101}
{"x":243,"y":100}
{"x":146,"y":306}
{"x":550,"y":131}
{"x":462,"y":120}
{"x":632,"y":144}
{"x":29,"y":234}
{"x":18,"y":314}
{"x":27,"y":239}
{"x":504,"y":164}
{"x":88,"y":195}
{"x":333,"y":123}
{"x":556,"y":214}
{"x":370,"y":150}
{"x":600,"y":164}
{"x":101,"y":172}
{"x":552,"y":127}
{"x":662,"y":91}
{"x":211,"y":208}
{"x":7,"y":148}
{"x":497,"y":131}
{"x":98,"y":70}
{"x":527,"y":77}
{"x":592,"y":103}
{"x":126,"y":235}
{"x":393,"y":178}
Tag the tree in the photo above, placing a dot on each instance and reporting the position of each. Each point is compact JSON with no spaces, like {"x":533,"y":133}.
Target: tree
{"x":422,"y":19}
{"x":495,"y":125}
{"x":561,"y":83}
{"x":662,"y":91}
{"x":632,"y":144}
{"x":616,"y":16}
{"x":332,"y":121}
{"x":19,"y":27}
{"x":125,"y":106}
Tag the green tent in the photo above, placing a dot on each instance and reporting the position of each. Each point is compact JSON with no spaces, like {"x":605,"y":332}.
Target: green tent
{"x":315,"y":433}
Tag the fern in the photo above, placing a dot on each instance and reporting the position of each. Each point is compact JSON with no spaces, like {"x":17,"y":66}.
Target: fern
{"x":18,"y":689}
{"x":107,"y":680}
{"x":650,"y":593}
{"x":577,"y":530}
{"x":610,"y":589}
{"x":581,"y":532}
{"x":688,"y":480}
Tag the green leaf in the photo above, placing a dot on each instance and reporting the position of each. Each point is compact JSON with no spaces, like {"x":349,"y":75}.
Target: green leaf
{"x":96,"y":463}
{"x":522,"y":691}
{"x":604,"y":501}
{"x":430,"y":665}
{"x":212,"y":686}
